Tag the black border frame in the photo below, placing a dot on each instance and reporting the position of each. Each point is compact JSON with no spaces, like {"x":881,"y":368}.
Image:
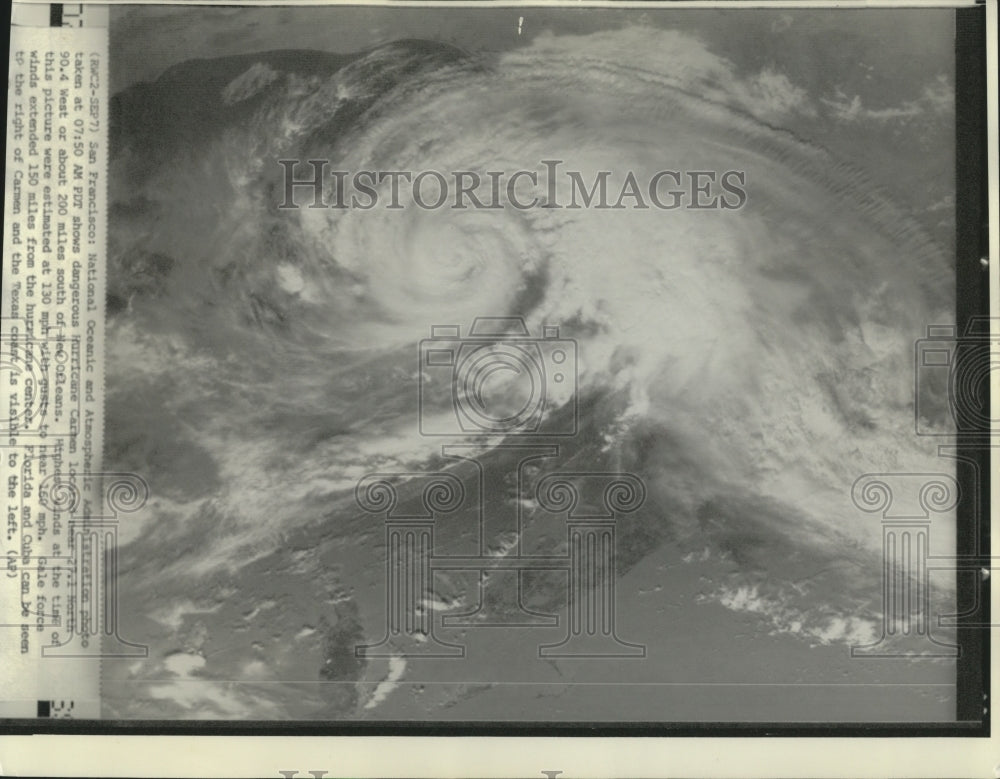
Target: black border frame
{"x":972,"y":300}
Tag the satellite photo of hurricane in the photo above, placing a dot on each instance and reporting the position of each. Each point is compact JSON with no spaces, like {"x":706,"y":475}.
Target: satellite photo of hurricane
{"x":664,"y":522}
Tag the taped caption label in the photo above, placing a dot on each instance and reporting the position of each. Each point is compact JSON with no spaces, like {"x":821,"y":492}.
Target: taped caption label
{"x":58,"y":602}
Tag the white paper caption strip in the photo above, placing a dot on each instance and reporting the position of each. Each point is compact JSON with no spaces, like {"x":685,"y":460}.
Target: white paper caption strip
{"x":56,"y":589}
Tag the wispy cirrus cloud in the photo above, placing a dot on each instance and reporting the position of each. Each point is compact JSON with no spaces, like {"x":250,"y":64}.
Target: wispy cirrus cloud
{"x":937,"y":97}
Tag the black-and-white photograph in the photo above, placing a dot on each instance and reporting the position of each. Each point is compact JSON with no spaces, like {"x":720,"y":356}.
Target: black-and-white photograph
{"x":545,"y":364}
